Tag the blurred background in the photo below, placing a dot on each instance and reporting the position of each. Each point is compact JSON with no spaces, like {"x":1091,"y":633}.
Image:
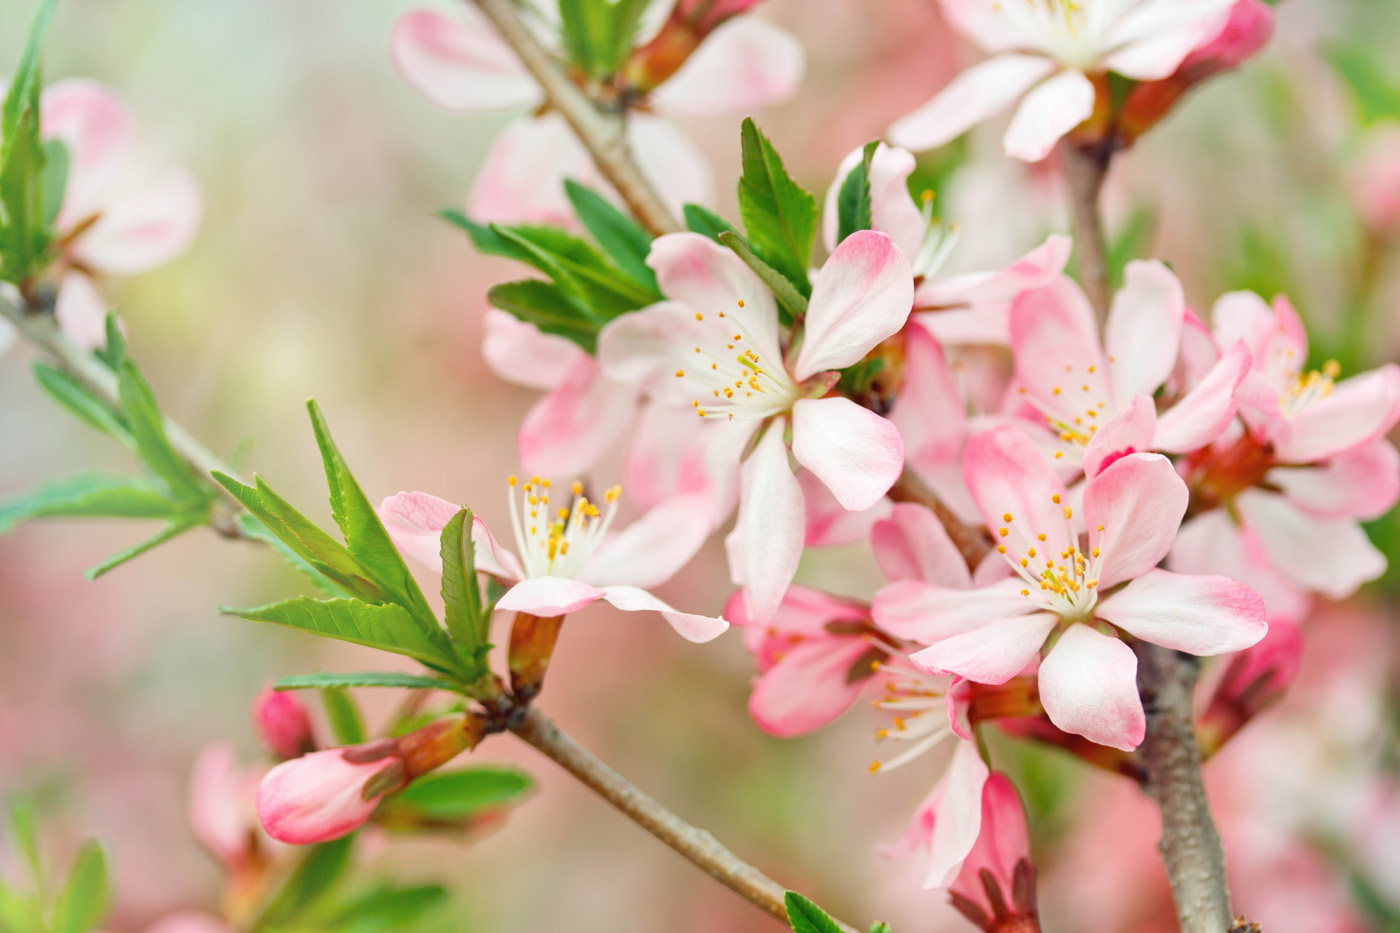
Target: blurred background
{"x":320,"y":271}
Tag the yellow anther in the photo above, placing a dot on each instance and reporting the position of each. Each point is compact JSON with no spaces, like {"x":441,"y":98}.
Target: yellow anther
{"x":1069,"y":513}
{"x":1030,"y":552}
{"x":1040,"y":537}
{"x":699,"y":316}
{"x":1001,"y":549}
{"x":1055,"y":498}
{"x":577,"y":488}
{"x":1006,"y":518}
{"x":1003,"y":531}
{"x":874,"y":766}
{"x":680,"y":373}
{"x":1025,"y":592}
{"x":511,"y":480}
{"x":741,"y":302}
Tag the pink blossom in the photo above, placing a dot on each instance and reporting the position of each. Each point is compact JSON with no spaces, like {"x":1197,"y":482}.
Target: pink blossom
{"x":222,"y":804}
{"x":283,"y":723}
{"x":319,"y":797}
{"x":716,"y":344}
{"x":1043,"y":57}
{"x":461,"y":65}
{"x":946,"y":827}
{"x":1003,"y":851}
{"x":1131,"y":511}
{"x":569,"y":557}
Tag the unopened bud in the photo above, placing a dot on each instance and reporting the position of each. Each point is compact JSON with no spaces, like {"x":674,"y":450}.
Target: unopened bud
{"x":283,"y":724}
{"x":1255,"y":679}
{"x":321,"y":796}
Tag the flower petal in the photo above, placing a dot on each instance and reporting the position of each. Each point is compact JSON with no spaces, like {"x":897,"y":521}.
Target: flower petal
{"x":1088,"y":684}
{"x":1006,"y":474}
{"x":912,"y":544}
{"x":974,"y":95}
{"x":892,"y":210}
{"x":1204,"y":616}
{"x":863,"y":295}
{"x":571,"y":428}
{"x":829,"y":523}
{"x":691,"y":627}
{"x":81,"y":311}
{"x":926,"y":613}
{"x":491,"y":558}
{"x":931,"y":413}
{"x":652,"y":549}
{"x":1362,"y":483}
{"x":1056,"y":342}
{"x":958,"y":818}
{"x":1048,"y":113}
{"x":809,"y":687}
{"x":522,"y":354}
{"x":143,"y":230}
{"x":1153,"y":39}
{"x":522,"y":177}
{"x":1331,"y":556}
{"x":708,"y":278}
{"x":95,"y":126}
{"x":745,"y":64}
{"x":769,"y":532}
{"x":414,"y":521}
{"x":1144,"y":329}
{"x":1129,"y":431}
{"x":1203,"y":414}
{"x":549,"y":596}
{"x":671,"y":161}
{"x":1138,"y":502}
{"x":1357,"y":411}
{"x":855,"y":452}
{"x":459,"y":63}
{"x":992,"y":653}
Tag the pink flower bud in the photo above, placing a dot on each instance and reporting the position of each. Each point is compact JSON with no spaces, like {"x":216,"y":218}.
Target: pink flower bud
{"x":1255,"y":678}
{"x":322,"y":796}
{"x":221,"y":804}
{"x":283,"y":723}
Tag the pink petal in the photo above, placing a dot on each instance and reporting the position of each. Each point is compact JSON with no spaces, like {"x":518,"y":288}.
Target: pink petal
{"x":691,"y":627}
{"x":491,"y":558}
{"x":974,"y":95}
{"x":1138,"y":502}
{"x":549,"y":596}
{"x":829,"y":523}
{"x":1331,"y":556}
{"x":671,"y":161}
{"x":863,"y":295}
{"x":1129,"y":431}
{"x":415,"y":521}
{"x":1358,"y":411}
{"x":459,"y":63}
{"x":985,"y":23}
{"x":1203,"y":414}
{"x":1088,"y":684}
{"x":1212,"y":543}
{"x":189,"y":921}
{"x":82,"y":312}
{"x":143,"y":230}
{"x":522,"y":354}
{"x":1155,"y":37}
{"x":855,"y":452}
{"x":1048,"y":113}
{"x":652,"y":549}
{"x":522,"y":178}
{"x":958,"y":818}
{"x":571,"y":428}
{"x":927,"y":613}
{"x":1144,"y":329}
{"x":1056,"y":342}
{"x":1204,"y":616}
{"x":769,"y":532}
{"x":708,"y":278}
{"x":992,"y":653}
{"x":804,"y":613}
{"x":809,"y":687}
{"x":1363,"y":483}
{"x":95,"y":126}
{"x":745,"y":64}
{"x":892,"y":210}
{"x":912,"y":544}
{"x":672,"y":455}
{"x":645,"y":349}
{"x":931,"y":413}
{"x":221,"y":807}
{"x":1006,"y":474}
{"x":1003,"y":841}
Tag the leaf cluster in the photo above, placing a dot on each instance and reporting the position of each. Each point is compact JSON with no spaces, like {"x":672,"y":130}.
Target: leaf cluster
{"x":74,"y":904}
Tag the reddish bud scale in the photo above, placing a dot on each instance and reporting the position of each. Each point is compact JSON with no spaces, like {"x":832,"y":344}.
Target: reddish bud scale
{"x":662,"y":57}
{"x":532,"y":641}
{"x":283,"y":724}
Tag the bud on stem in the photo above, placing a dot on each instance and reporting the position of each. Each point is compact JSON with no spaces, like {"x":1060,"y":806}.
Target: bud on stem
{"x":532,"y":641}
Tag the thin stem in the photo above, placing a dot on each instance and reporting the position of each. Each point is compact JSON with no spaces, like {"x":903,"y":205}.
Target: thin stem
{"x":690,"y":842}
{"x":971,"y":542}
{"x":1086,"y":167}
{"x":602,"y":132}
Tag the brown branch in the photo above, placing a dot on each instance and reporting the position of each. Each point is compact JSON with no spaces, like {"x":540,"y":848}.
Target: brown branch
{"x":602,"y":132}
{"x":1086,"y":167}
{"x":690,"y":842}
{"x":971,"y":542}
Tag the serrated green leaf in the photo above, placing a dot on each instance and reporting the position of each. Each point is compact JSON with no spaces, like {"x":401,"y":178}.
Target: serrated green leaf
{"x":460,"y":795}
{"x":178,"y":525}
{"x":55,"y":179}
{"x":251,"y":527}
{"x":388,"y":627}
{"x":779,"y":217}
{"x":343,"y":714}
{"x":89,"y":495}
{"x":314,"y":879}
{"x":461,"y":592}
{"x":807,"y":917}
{"x":364,"y":679}
{"x":853,"y":200}
{"x":545,"y":306}
{"x":789,"y":298}
{"x":625,"y":241}
{"x":704,"y":221}
{"x":147,"y":425}
{"x":388,"y":907}
{"x":83,"y":902}
{"x":88,"y":408}
{"x":579,"y":270}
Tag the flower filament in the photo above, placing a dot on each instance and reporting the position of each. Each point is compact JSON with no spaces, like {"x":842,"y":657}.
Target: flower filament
{"x":557,"y":543}
{"x":918,"y":708}
{"x":739,"y":376}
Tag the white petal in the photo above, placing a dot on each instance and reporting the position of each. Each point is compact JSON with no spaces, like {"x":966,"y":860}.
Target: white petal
{"x":1048,"y":113}
{"x":973,"y":96}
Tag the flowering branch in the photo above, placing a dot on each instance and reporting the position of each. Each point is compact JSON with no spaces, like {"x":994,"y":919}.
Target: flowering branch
{"x":602,"y":132}
{"x":971,"y":542}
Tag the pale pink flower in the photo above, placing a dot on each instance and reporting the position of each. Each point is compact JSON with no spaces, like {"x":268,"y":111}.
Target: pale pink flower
{"x":320,"y":796}
{"x":1131,"y":511}
{"x":222,"y":804}
{"x":103,"y":226}
{"x":460,"y":64}
{"x":283,"y":723}
{"x":568,"y":556}
{"x":1044,"y":52}
{"x":1096,"y":398}
{"x":716,"y":344}
{"x":1003,"y":850}
{"x":946,"y":827}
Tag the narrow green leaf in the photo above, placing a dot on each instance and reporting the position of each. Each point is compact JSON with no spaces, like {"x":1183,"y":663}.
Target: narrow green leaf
{"x":880,"y":927}
{"x":807,"y":917}
{"x":26,"y":832}
{"x":114,"y":353}
{"x":343,"y":714}
{"x":317,"y":877}
{"x":386,"y":627}
{"x":545,"y":306}
{"x":791,"y":300}
{"x":55,"y":179}
{"x":364,"y":679}
{"x":19,"y":913}
{"x":25,"y":84}
{"x":147,"y":426}
{"x":84,"y":900}
{"x":625,"y":241}
{"x":485,"y":239}
{"x":89,"y":495}
{"x":705,"y":221}
{"x":461,"y":592}
{"x":388,"y":907}
{"x":253,"y":528}
{"x":779,"y":217}
{"x":89,"y":409}
{"x":580,"y":270}
{"x":853,"y":200}
{"x":578,"y":28}
{"x":180,"y":524}
{"x":620,"y":34}
{"x":23,"y":236}
{"x":460,"y":795}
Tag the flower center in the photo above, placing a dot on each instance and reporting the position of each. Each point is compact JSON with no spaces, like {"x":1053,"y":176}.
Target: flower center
{"x":1308,"y":387}
{"x":1074,"y":407}
{"x":918,"y":712}
{"x":1065,"y":584}
{"x":734,"y":373}
{"x":557,"y":541}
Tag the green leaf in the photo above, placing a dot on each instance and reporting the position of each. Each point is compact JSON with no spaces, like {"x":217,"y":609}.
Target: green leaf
{"x":252,"y":528}
{"x":779,"y":217}
{"x":55,"y":179}
{"x":89,"y":495}
{"x":459,"y":795}
{"x":853,"y":200}
{"x":598,"y":34}
{"x":791,"y":300}
{"x":147,"y":426}
{"x":461,"y":592}
{"x":1377,"y":96}
{"x":84,"y":900}
{"x":180,"y":524}
{"x":548,"y":308}
{"x":625,"y":241}
{"x":317,"y":876}
{"x":387,"y":627}
{"x":26,"y":833}
{"x":880,"y":927}
{"x":343,"y":714}
{"x":807,"y":917}
{"x":24,"y":87}
{"x":89,"y":409}
{"x":579,"y":28}
{"x":704,"y":221}
{"x":388,"y":907}
{"x":23,"y":237}
{"x":364,"y":679}
{"x":114,"y":353}
{"x":579,"y":270}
